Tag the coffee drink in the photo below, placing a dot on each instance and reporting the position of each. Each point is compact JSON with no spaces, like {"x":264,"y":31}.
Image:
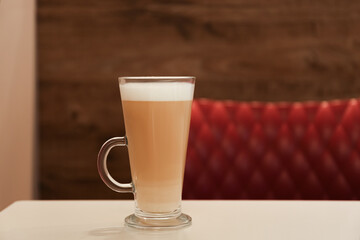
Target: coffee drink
{"x":157,"y":118}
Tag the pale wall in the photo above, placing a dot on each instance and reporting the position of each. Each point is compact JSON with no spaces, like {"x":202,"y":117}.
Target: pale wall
{"x":17,"y":100}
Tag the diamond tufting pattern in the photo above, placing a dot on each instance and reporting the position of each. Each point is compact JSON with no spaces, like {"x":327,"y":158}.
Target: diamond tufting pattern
{"x":308,"y":150}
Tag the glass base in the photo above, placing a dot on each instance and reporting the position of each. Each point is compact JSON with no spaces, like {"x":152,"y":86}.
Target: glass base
{"x":158,"y":223}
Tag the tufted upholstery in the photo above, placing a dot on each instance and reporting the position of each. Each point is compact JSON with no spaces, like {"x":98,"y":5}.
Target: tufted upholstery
{"x":254,"y":150}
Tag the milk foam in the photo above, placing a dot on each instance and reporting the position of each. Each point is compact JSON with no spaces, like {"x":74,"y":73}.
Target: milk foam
{"x":157,"y":91}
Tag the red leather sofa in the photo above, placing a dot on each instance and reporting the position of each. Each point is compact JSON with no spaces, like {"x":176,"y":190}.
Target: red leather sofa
{"x":301,"y":150}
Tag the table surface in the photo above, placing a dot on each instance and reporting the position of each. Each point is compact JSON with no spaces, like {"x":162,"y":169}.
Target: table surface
{"x":211,"y":220}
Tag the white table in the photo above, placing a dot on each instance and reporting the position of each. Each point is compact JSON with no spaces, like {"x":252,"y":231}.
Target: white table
{"x":245,"y":220}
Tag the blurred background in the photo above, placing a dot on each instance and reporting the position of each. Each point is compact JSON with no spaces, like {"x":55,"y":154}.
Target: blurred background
{"x":60,"y":59}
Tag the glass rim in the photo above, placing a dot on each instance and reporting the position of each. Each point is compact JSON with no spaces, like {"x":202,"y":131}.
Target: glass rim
{"x":190,"y":79}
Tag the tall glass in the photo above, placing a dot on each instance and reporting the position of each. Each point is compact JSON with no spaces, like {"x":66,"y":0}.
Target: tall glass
{"x":157,"y":118}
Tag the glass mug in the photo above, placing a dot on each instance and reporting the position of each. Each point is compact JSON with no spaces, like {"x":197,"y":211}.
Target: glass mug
{"x":157,"y":117}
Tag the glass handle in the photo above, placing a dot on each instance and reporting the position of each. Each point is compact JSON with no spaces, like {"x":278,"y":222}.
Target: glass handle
{"x":102,"y":165}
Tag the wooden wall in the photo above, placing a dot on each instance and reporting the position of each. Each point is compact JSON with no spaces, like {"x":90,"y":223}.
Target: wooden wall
{"x":265,"y":50}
